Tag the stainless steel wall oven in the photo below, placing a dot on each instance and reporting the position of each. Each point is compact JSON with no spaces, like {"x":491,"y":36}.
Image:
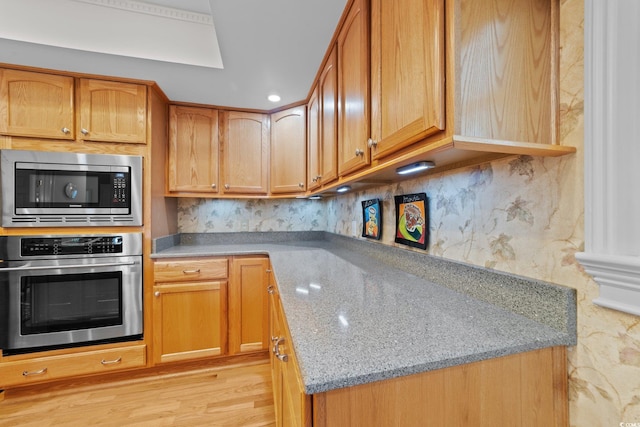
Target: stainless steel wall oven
{"x":64,"y":290}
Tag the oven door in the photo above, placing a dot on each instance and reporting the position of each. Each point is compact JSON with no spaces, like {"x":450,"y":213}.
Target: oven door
{"x":52,"y":303}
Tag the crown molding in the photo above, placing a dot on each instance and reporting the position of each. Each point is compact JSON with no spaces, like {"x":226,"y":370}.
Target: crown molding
{"x":154,"y":10}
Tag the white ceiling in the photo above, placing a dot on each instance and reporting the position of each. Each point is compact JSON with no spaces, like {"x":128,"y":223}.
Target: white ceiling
{"x":265,"y":46}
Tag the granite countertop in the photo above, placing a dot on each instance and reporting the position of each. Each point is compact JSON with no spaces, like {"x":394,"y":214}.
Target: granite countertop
{"x":354,"y":319}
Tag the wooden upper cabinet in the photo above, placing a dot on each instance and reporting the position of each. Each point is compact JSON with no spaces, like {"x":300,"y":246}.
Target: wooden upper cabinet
{"x":507,"y":71}
{"x":353,"y":89}
{"x":36,"y":104}
{"x":112,"y":111}
{"x":289,"y":150}
{"x":245,"y":152}
{"x":193,"y":149}
{"x":328,"y":94}
{"x":323,"y":131}
{"x":407,"y":73}
{"x":313,"y":141}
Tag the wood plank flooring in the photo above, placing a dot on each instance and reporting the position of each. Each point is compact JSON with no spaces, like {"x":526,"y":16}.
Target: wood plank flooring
{"x":220,"y":396}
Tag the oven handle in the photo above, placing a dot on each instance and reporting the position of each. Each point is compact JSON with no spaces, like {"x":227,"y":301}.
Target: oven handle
{"x":56,"y":267}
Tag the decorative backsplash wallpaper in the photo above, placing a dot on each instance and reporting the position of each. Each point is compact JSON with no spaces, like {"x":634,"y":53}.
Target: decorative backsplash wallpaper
{"x":228,"y":215}
{"x":519,"y":215}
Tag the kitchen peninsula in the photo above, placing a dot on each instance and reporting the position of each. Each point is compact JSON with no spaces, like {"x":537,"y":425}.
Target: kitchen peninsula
{"x":427,"y":332}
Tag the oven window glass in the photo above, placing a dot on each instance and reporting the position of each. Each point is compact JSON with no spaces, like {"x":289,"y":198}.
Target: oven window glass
{"x":70,"y":302}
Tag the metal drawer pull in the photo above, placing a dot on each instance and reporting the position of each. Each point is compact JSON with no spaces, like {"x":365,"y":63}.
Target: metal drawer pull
{"x":32,"y":373}
{"x":111,"y":362}
{"x":191,"y":271}
{"x":276,"y":350}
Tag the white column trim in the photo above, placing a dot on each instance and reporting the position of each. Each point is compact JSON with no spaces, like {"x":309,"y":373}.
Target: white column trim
{"x":612,"y":161}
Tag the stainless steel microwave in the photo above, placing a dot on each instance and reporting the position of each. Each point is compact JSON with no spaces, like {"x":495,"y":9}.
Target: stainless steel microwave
{"x":52,"y":189}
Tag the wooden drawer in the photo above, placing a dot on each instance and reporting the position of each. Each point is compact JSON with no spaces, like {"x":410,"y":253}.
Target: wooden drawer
{"x":49,"y":368}
{"x":190,"y":269}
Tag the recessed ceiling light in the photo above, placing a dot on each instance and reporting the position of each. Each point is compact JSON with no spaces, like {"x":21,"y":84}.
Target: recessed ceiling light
{"x":273,"y":98}
{"x":415,"y":167}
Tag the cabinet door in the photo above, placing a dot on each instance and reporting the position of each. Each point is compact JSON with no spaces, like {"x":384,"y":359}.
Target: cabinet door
{"x":313,"y":141}
{"x":353,"y":90}
{"x":292,"y":405}
{"x":36,"y":104}
{"x":245,"y":152}
{"x":406,"y":106}
{"x":112,"y":111}
{"x":295,"y":405}
{"x":328,"y":93}
{"x":248,"y":305}
{"x":189,"y":320}
{"x":275,"y":331}
{"x":289,"y":150}
{"x":193,"y":149}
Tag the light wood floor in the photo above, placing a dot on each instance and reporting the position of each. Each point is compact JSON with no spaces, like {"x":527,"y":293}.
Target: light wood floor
{"x":231,"y":396}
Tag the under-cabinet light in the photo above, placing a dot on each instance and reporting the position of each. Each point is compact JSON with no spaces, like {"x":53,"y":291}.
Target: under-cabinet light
{"x":343,"y":189}
{"x":316,"y":197}
{"x":415,"y":167}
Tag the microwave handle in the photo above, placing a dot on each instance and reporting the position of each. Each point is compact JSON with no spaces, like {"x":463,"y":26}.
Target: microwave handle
{"x":56,"y":267}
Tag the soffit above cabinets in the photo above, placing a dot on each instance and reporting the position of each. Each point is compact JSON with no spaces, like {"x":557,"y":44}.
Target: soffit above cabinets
{"x":124,"y":27}
{"x":217,"y":52}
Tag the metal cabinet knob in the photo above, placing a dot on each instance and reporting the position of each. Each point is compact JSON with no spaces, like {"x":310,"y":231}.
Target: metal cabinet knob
{"x":156,"y":294}
{"x":301,"y":185}
{"x":66,"y":131}
{"x":227,"y":186}
{"x":359,"y":152}
{"x":84,"y":131}
{"x":271,"y":290}
{"x":372,"y":143}
{"x":213,"y":186}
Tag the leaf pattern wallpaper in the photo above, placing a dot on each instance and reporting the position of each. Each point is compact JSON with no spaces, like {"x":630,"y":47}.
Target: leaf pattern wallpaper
{"x":520,"y":215}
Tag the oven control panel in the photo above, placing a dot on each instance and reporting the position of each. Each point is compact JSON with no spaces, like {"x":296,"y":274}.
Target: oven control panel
{"x":71,"y":245}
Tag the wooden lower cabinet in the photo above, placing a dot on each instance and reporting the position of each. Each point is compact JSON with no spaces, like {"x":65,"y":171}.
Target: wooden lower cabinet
{"x":517,"y":390}
{"x":528,"y":388}
{"x":189,"y":309}
{"x":292,"y":405}
{"x":248,"y":305}
{"x":48,"y":368}
{"x":210,"y":306}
